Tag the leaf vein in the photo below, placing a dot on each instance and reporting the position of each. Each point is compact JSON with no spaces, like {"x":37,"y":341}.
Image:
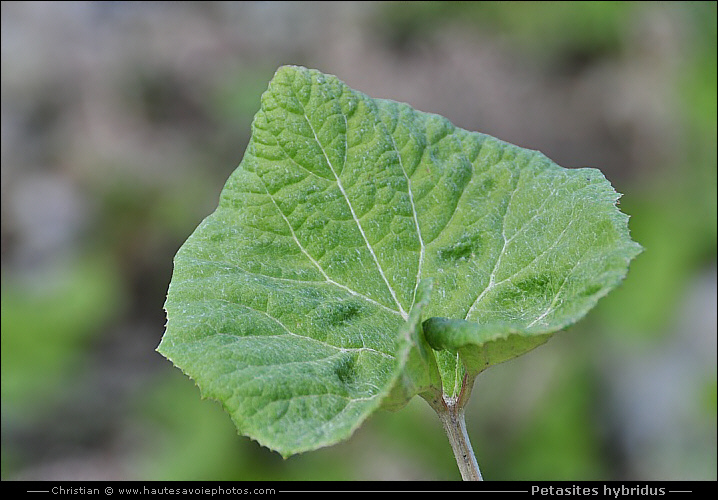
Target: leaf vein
{"x":492,"y":276}
{"x":354,"y":216}
{"x":319,"y":267}
{"x":422,"y":250}
{"x":291,"y":333}
{"x":551,"y":306}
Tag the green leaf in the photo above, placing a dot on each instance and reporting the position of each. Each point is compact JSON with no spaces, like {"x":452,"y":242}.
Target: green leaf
{"x":299,"y":303}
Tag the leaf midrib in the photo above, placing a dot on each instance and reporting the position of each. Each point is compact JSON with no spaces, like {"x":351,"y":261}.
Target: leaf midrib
{"x":351,"y":208}
{"x":318,"y":266}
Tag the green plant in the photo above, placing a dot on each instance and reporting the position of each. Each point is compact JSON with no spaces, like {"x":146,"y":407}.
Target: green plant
{"x":364,"y":252}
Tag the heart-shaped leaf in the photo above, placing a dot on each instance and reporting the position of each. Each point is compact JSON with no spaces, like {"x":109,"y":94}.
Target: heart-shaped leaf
{"x":303,"y":302}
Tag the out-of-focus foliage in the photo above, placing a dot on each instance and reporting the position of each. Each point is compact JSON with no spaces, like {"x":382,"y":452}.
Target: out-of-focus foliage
{"x":55,"y":317}
{"x":675,"y":212}
{"x":572,"y":31}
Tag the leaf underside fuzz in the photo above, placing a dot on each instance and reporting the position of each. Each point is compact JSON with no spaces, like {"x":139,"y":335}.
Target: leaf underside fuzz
{"x":364,"y":252}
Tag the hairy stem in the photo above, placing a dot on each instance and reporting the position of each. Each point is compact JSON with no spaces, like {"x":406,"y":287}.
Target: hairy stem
{"x":451,"y":414}
{"x":452,"y":418}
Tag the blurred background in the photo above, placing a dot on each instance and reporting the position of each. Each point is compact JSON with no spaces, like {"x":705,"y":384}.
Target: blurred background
{"x":121,"y":121}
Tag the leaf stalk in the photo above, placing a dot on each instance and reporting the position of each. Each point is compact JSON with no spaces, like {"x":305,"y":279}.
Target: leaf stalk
{"x":452,"y":418}
{"x":451,"y":414}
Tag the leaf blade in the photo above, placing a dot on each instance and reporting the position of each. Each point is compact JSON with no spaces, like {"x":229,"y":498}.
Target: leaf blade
{"x":300,"y":303}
